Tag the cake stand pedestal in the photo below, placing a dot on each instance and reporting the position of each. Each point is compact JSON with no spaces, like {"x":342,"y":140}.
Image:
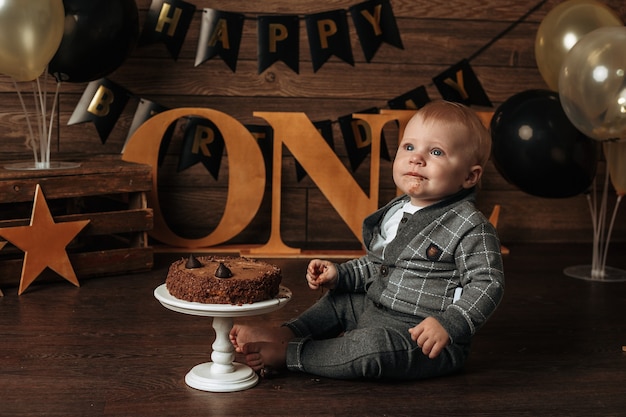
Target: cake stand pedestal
{"x":222,"y":374}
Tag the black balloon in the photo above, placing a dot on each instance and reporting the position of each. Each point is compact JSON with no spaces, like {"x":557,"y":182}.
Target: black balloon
{"x":537,"y":149}
{"x":98,"y":37}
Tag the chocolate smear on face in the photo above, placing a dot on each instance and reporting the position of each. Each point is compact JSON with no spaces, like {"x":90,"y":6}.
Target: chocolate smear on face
{"x":223,"y":271}
{"x":193,"y":262}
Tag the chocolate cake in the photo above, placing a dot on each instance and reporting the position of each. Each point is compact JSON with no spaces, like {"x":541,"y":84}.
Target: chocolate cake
{"x":223,"y":280}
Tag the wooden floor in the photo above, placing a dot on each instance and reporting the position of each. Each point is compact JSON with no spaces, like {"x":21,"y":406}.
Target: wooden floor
{"x":108,"y":348}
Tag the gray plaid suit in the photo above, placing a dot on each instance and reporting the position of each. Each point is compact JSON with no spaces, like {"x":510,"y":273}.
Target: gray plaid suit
{"x":379,"y":296}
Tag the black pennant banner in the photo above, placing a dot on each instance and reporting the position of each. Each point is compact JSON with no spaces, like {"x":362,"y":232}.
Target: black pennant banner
{"x":102,"y":104}
{"x":103,"y":101}
{"x":279,"y":40}
{"x":357,"y":137}
{"x":220,"y":35}
{"x":168,"y":22}
{"x":329,"y":35}
{"x":145,"y":110}
{"x":375,"y":23}
{"x":202,"y":142}
{"x":411,"y":100}
{"x":221,"y":32}
{"x":459,"y":83}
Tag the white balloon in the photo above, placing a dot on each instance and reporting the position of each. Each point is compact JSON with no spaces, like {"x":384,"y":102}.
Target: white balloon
{"x":592,"y":84}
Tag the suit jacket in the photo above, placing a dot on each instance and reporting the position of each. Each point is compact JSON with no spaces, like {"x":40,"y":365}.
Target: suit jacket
{"x":438,"y":249}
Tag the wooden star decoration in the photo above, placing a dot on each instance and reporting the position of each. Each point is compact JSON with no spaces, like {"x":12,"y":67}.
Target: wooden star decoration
{"x":44,"y":243}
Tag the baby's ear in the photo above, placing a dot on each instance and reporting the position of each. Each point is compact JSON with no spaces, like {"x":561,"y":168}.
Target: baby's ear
{"x":473,"y":177}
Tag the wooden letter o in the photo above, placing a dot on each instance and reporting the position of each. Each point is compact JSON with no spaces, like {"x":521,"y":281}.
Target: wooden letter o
{"x":246,"y":179}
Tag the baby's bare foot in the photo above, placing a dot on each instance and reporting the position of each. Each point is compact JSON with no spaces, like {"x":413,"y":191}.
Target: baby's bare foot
{"x":265,"y":355}
{"x":242,"y":334}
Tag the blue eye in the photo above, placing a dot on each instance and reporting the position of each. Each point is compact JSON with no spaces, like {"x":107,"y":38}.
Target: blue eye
{"x":437,"y":152}
{"x":408,"y":147}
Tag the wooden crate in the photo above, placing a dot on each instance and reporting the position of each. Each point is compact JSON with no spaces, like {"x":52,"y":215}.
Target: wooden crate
{"x":109,"y":192}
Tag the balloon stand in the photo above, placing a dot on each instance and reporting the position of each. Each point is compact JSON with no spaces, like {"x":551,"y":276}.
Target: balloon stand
{"x":599,"y":274}
{"x":598,"y":271}
{"x":39,"y":132}
{"x":32,"y":166}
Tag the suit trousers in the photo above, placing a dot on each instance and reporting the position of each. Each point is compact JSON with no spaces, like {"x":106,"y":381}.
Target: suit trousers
{"x":348,"y":336}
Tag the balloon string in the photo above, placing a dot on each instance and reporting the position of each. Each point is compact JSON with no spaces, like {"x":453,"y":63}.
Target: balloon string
{"x":507,"y":30}
{"x":54,"y":104}
{"x":603,"y":210}
{"x":43,"y":106}
{"x":30,"y":141}
{"x":45,"y":129}
{"x":39,"y":111}
{"x":608,"y":236}
{"x":595,"y":221}
{"x":602,"y":226}
{"x":591,"y":200}
{"x":601,"y":233}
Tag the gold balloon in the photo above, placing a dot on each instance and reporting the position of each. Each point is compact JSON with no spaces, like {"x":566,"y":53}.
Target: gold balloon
{"x":30,"y":34}
{"x":592,"y":84}
{"x":615,"y":154}
{"x":562,"y":28}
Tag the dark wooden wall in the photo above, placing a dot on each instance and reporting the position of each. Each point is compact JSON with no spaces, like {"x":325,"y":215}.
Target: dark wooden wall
{"x":435,"y":33}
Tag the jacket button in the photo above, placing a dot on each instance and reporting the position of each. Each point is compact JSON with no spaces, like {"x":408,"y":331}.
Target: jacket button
{"x":384,"y":270}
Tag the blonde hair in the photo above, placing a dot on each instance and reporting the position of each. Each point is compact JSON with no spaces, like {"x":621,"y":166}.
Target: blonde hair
{"x":457,"y":114}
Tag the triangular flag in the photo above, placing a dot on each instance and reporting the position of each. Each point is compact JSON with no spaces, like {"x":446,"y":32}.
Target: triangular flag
{"x":167,"y":22}
{"x":279,"y":40}
{"x":412,"y":100}
{"x":375,"y":23}
{"x":220,"y":35}
{"x":459,"y":83}
{"x":357,"y":137}
{"x":102,"y":103}
{"x":145,"y":110}
{"x":329,"y":35}
{"x":202,"y":142}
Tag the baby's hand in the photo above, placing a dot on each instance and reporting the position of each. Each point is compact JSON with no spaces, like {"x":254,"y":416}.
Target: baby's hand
{"x":321,"y":274}
{"x":431,"y":336}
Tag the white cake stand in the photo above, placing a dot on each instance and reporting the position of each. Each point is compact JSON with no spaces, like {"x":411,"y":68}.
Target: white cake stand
{"x":222,"y":374}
